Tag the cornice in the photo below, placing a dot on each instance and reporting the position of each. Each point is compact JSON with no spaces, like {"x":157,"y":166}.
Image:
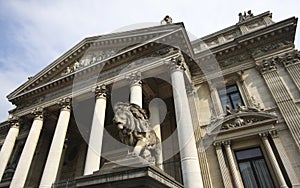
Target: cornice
{"x":145,"y":34}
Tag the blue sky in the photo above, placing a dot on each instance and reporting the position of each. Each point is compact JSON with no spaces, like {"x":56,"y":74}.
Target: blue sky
{"x":35,"y":33}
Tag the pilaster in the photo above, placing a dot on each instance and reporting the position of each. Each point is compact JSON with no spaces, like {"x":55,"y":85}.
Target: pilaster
{"x":284,"y":101}
{"x":194,"y":108}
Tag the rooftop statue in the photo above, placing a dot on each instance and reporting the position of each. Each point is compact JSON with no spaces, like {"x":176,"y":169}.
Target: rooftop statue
{"x":245,"y":16}
{"x":167,"y":20}
{"x":134,"y":130}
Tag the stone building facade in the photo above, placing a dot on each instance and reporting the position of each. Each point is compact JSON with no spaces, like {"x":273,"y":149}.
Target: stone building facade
{"x":226,"y":108}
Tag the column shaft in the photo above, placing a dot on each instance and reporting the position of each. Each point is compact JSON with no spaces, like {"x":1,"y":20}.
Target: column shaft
{"x":56,"y":148}
{"x":188,"y":150}
{"x":25,"y":160}
{"x":233,"y":168}
{"x":8,"y":147}
{"x":285,"y":160}
{"x":273,"y":161}
{"x":155,"y":123}
{"x":92,"y":162}
{"x":224,"y":171}
{"x":136,"y":93}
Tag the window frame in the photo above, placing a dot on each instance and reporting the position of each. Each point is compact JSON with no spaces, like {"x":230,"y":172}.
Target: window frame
{"x":228,"y":96}
{"x":251,"y":160}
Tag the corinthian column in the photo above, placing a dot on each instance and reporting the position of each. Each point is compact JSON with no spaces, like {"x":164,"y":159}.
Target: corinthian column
{"x":136,"y":93}
{"x":8,"y":144}
{"x":56,"y":148}
{"x":92,"y":162}
{"x":25,"y":160}
{"x":188,"y":150}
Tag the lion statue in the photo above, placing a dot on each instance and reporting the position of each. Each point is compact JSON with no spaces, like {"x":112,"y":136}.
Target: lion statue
{"x":134,"y":130}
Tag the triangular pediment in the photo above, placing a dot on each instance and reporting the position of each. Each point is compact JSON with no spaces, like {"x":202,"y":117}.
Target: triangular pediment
{"x":97,"y":49}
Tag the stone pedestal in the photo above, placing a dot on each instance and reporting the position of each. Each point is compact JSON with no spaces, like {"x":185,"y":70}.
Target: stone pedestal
{"x":128,"y":177}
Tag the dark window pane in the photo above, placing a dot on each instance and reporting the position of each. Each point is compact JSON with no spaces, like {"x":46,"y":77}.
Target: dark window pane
{"x":236,"y":98}
{"x":231,"y":89}
{"x":248,"y":154}
{"x":247,"y":175}
{"x":253,"y":169}
{"x":226,"y":101}
{"x":263,"y":175}
{"x":230,"y":96}
{"x":222,"y":92}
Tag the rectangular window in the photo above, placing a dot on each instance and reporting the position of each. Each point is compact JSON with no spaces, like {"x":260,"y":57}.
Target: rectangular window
{"x":253,"y":169}
{"x":230,"y":96}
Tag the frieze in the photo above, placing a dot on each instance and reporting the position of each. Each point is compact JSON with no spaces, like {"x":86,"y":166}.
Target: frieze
{"x":234,"y":60}
{"x":270,"y":47}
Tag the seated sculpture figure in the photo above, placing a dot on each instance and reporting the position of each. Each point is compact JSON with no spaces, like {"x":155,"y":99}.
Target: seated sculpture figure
{"x":135,"y":131}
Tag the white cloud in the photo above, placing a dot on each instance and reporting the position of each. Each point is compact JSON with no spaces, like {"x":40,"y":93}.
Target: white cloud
{"x":43,"y":30}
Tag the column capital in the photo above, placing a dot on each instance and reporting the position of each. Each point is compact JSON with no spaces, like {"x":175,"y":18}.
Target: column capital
{"x":218,"y":145}
{"x":191,"y":89}
{"x":289,"y":58}
{"x":274,"y":133}
{"x":264,"y":135}
{"x":134,"y":78}
{"x":65,"y":103}
{"x":226,"y":142}
{"x":38,"y":113}
{"x":101,"y":91}
{"x":267,"y":66}
{"x":177,"y":63}
{"x":14,"y":120}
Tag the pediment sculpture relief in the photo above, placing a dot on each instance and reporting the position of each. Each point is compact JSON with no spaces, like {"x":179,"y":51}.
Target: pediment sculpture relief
{"x":244,"y":115}
{"x":88,"y":60}
{"x":135,"y":131}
